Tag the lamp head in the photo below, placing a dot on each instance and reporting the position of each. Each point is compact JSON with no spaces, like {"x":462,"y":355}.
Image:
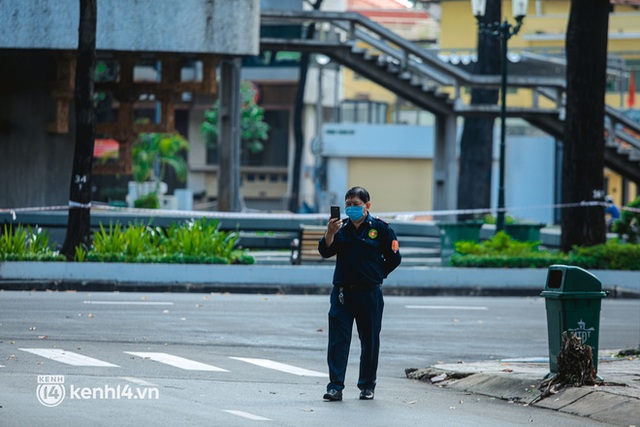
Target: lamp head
{"x":478,"y":7}
{"x":322,"y":59}
{"x":519,"y":8}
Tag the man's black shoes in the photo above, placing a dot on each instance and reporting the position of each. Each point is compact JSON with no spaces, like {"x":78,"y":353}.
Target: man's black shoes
{"x":333,"y":395}
{"x":366,"y":394}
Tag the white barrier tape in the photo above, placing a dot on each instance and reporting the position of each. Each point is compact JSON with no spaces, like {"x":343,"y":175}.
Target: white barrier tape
{"x":13,"y":211}
{"x":405,"y":215}
{"x":73,"y":204}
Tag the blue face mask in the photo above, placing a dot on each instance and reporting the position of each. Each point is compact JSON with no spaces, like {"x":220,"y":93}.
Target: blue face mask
{"x":355,"y":212}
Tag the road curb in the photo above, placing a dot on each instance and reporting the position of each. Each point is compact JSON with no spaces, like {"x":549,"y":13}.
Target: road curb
{"x":616,"y":402}
{"x":419,"y":281}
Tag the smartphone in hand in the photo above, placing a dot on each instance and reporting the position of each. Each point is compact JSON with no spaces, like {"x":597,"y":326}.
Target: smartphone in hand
{"x":335,"y":211}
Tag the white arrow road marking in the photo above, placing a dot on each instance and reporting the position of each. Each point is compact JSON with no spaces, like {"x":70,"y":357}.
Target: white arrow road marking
{"x":266,"y":363}
{"x":445,"y":307}
{"x":177,"y":361}
{"x":68,"y":357}
{"x":247,"y":415}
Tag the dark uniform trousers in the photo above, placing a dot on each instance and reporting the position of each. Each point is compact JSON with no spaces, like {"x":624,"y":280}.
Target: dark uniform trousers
{"x":364,"y":305}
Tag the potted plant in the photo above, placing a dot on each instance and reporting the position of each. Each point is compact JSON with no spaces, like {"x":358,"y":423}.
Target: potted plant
{"x":253,"y":129}
{"x":152,"y":153}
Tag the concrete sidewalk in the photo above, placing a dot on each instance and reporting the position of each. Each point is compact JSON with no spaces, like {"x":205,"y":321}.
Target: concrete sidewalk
{"x":616,"y":402}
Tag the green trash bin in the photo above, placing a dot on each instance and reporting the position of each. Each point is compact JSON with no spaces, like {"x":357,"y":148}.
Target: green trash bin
{"x":573,"y":298}
{"x":452,"y":232}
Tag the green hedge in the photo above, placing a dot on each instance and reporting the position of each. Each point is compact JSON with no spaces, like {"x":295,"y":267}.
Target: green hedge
{"x":501,"y":251}
{"x":193,"y":242}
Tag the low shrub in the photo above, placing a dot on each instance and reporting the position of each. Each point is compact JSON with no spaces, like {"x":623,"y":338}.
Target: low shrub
{"x":612,"y":255}
{"x":501,"y":251}
{"x":26,"y":244}
{"x":628,"y":226}
{"x":194,"y":242}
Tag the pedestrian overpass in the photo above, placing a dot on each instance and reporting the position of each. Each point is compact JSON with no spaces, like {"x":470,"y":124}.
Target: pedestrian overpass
{"x":422,"y":78}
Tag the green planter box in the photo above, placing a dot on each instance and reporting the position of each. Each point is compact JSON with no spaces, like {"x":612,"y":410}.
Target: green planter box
{"x":453,"y":232}
{"x":524,"y":232}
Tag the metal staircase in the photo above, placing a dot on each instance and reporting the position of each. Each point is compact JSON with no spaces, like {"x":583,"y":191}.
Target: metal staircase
{"x":420,"y":77}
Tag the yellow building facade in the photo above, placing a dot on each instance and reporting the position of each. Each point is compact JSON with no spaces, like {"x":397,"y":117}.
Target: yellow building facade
{"x":543,"y":32}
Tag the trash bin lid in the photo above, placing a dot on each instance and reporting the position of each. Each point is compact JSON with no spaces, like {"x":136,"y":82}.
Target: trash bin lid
{"x":566,"y":278}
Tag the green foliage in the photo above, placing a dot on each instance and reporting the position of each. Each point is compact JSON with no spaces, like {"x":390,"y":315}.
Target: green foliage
{"x":628,"y":226}
{"x":26,"y":244}
{"x":613,"y":255}
{"x":501,"y":251}
{"x":80,"y":253}
{"x":194,"y":242}
{"x":201,"y":238}
{"x":253,"y":129}
{"x":490,"y":219}
{"x":148,"y":201}
{"x":122,"y":244}
{"x":501,"y":243}
{"x":154,"y":152}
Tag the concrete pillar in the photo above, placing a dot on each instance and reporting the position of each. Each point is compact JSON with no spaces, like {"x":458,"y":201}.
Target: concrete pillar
{"x":445,"y":164}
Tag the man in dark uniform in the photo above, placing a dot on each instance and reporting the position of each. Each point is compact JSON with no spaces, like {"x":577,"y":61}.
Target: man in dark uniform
{"x":367,"y":251}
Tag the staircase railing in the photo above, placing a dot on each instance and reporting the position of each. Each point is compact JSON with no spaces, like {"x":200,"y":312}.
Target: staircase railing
{"x":407,"y":61}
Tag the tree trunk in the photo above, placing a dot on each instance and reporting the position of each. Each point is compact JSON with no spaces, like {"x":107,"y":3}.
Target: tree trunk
{"x":294,"y":200}
{"x":476,"y":143}
{"x":79,"y":218}
{"x":583,"y":155}
{"x":229,"y":137}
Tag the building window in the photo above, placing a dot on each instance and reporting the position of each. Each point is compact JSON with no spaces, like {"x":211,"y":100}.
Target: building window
{"x":355,"y":111}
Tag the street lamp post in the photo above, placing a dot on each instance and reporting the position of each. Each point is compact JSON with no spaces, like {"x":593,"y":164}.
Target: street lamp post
{"x":504,"y":31}
{"x":316,"y":145}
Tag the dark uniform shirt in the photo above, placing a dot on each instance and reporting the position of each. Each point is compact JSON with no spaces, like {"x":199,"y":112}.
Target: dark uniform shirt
{"x":364,"y":256}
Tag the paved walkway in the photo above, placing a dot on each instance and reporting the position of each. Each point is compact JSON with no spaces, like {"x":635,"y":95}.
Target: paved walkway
{"x":617,"y":402}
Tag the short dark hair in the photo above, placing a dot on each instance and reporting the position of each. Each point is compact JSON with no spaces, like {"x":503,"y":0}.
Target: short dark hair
{"x":359,"y":192}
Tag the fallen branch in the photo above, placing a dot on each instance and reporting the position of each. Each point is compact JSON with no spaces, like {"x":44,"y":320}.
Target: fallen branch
{"x":575,"y":368}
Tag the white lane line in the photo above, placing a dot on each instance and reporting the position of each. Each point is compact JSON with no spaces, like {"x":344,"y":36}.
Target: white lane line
{"x":247,"y":415}
{"x":138,"y":381}
{"x":177,"y":361}
{"x":270,"y":364}
{"x":68,"y":357}
{"x":445,"y":307}
{"x":2,"y":366}
{"x":127,"y":303}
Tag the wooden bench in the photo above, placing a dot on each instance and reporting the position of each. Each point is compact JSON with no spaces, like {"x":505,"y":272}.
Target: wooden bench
{"x":304,"y":248}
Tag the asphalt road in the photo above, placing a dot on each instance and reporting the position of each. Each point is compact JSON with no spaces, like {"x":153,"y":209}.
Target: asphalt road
{"x":241,"y":360}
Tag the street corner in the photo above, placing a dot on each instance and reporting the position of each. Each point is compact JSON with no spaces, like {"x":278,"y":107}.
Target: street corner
{"x":503,"y":381}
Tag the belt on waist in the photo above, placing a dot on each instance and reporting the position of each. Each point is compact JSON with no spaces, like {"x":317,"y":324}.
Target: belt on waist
{"x":351,"y":287}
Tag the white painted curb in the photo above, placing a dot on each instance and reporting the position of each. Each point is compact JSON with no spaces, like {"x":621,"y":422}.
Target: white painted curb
{"x":291,"y":275}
